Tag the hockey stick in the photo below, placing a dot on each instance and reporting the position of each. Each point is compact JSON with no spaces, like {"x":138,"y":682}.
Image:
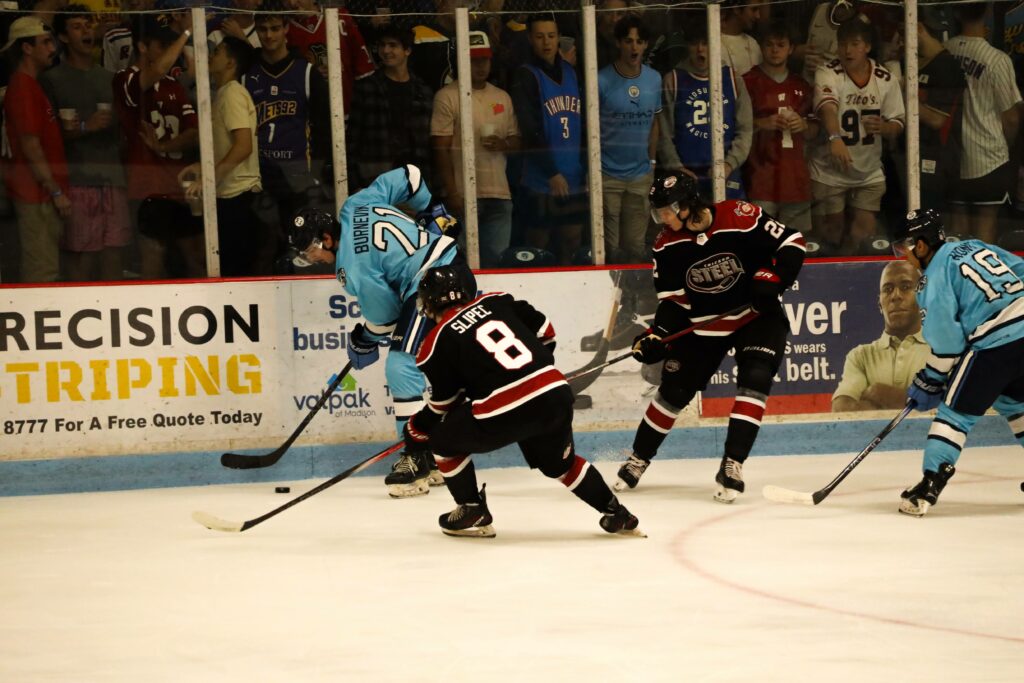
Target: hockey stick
{"x":582,"y":379}
{"x":218,"y":524}
{"x":672,"y":337}
{"x":238,"y":461}
{"x":782,"y":495}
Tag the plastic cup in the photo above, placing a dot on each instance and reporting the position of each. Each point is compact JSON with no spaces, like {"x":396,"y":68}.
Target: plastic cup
{"x":487,"y":130}
{"x":103,"y":106}
{"x":68,"y":114}
{"x":195,"y":204}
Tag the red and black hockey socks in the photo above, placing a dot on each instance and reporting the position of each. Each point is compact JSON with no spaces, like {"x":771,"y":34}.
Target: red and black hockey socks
{"x":587,"y":484}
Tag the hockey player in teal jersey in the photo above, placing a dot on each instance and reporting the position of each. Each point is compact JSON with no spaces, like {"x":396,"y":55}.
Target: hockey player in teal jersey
{"x":971,"y":297}
{"x":380,"y":254}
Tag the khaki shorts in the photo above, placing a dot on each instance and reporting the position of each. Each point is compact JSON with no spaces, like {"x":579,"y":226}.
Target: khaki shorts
{"x":830,"y":200}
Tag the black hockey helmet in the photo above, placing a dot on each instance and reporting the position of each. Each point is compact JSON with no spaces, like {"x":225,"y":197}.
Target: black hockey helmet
{"x":675,"y":189}
{"x":443,"y":287}
{"x":923,"y":224}
{"x":308,"y":225}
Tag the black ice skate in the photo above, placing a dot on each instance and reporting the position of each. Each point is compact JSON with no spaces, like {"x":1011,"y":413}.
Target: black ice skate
{"x":730,"y":480}
{"x":410,"y":476}
{"x":618,"y":520}
{"x":917,"y":500}
{"x":630,"y":473}
{"x":469,"y":519}
{"x":435,"y":478}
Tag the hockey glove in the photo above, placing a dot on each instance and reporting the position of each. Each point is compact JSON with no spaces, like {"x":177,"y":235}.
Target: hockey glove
{"x":764,"y":291}
{"x":438,"y":221}
{"x":362,"y":350}
{"x":415,"y":440}
{"x":926,"y":391}
{"x":648,"y":348}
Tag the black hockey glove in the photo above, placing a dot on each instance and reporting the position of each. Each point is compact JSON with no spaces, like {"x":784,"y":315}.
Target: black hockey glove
{"x":415,"y":440}
{"x":765,"y":289}
{"x":648,"y":347}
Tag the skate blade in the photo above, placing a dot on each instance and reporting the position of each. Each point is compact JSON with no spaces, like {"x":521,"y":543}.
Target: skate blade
{"x":417,"y":488}
{"x":724,"y":495}
{"x":909,"y":508}
{"x":486,"y":531}
{"x":435,"y":478}
{"x":631,"y":532}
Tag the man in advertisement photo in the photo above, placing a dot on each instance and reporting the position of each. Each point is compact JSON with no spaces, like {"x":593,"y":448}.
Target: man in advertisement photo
{"x":876,"y":375}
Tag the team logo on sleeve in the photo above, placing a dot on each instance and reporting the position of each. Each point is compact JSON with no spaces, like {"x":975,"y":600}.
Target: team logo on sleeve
{"x":714,"y":274}
{"x":341,"y":276}
{"x":745,"y":209}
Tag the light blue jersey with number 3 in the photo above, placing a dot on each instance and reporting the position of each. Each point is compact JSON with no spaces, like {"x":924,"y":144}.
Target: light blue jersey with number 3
{"x":972,"y":297}
{"x":384,"y":253}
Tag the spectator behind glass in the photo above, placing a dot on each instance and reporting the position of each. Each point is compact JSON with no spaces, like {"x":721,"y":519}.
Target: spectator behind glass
{"x":237,"y":168}
{"x":685,"y":126}
{"x":117,"y":51}
{"x":775,"y":174}
{"x":391,"y":125}
{"x":496,"y":133}
{"x":293,"y":128}
{"x":433,"y":53}
{"x":940,"y":92}
{"x":608,"y":14}
{"x":822,"y":45}
{"x":548,"y":107}
{"x":740,"y":50}
{"x":991,"y":122}
{"x":98,"y":227}
{"x":240,"y":23}
{"x":37,"y":173}
{"x":307,"y":33}
{"x":876,"y":375}
{"x":158,"y":129}
{"x":630,"y":101}
{"x":846,"y":167}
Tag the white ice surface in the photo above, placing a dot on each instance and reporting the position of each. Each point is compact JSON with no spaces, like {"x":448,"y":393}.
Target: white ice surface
{"x":353,"y":586}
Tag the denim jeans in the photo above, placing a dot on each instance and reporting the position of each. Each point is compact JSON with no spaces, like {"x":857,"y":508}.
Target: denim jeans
{"x":494,"y":219}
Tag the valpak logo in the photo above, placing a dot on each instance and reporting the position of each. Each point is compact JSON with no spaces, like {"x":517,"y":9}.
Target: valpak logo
{"x":348,"y":400}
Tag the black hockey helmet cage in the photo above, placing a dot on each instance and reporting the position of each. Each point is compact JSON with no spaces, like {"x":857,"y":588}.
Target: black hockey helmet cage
{"x":443,"y":287}
{"x":676,"y":190}
{"x":308,"y":225}
{"x":925,"y":225}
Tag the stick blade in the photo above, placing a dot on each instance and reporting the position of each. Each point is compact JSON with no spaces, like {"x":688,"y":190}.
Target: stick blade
{"x":783,"y":495}
{"x":216,"y":523}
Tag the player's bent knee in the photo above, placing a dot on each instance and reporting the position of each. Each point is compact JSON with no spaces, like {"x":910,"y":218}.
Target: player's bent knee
{"x":756,"y":373}
{"x":677,"y":396}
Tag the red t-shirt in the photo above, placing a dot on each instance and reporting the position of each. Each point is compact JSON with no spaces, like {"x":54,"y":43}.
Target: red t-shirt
{"x":166,"y":108}
{"x":308,"y":35}
{"x":775,"y":172}
{"x":27,"y":110}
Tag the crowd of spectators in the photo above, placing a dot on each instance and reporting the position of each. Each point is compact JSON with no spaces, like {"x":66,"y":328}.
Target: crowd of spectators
{"x":101,"y":152}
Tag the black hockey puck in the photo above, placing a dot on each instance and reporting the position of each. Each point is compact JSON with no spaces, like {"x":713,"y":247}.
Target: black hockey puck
{"x":282,"y":489}
{"x":1022,"y":486}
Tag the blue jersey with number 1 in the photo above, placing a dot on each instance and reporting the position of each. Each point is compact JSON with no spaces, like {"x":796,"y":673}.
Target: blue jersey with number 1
{"x":971,"y":297}
{"x":384,"y":253}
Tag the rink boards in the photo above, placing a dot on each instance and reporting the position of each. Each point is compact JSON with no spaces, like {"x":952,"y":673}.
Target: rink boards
{"x":185,"y":371}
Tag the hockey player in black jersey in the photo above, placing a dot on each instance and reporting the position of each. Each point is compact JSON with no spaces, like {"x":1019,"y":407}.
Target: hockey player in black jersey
{"x":493,"y":383}
{"x":708,"y":260}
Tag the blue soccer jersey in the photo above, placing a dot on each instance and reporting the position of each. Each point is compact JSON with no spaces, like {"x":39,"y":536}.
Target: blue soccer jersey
{"x":563,"y":130}
{"x":628,"y":108}
{"x":971,"y":297}
{"x":384,"y":253}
